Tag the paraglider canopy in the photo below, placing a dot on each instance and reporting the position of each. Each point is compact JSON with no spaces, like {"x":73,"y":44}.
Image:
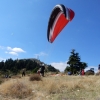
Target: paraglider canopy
{"x":59,"y":18}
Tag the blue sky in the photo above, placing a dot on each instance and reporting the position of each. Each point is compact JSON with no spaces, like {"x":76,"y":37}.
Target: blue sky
{"x":23,"y":31}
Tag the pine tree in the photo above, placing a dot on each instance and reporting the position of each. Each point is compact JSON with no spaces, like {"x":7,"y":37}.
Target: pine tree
{"x":74,"y":62}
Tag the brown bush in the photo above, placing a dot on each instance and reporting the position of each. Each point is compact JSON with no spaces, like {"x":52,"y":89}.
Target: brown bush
{"x":35,"y":77}
{"x":97,"y":74}
{"x":15,"y":89}
{"x":19,"y":90}
{"x":89,"y":72}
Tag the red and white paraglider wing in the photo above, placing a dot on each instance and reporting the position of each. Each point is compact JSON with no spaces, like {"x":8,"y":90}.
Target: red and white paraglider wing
{"x":59,"y":18}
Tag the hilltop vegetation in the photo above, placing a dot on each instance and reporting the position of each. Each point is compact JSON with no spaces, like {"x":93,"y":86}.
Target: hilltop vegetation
{"x":74,"y":65}
{"x":31,"y":66}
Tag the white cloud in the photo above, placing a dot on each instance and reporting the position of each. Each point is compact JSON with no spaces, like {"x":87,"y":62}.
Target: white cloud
{"x":41,"y":54}
{"x":62,"y":65}
{"x":2,"y":59}
{"x":59,"y":65}
{"x":1,"y":47}
{"x":14,"y":51}
{"x":9,"y":48}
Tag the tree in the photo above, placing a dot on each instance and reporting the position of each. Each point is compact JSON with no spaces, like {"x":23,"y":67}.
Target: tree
{"x":52,"y":69}
{"x":15,"y":66}
{"x":67,"y":69}
{"x":74,"y":62}
{"x":2,"y":65}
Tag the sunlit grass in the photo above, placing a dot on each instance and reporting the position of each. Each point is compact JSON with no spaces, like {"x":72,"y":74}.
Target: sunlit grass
{"x":52,"y":88}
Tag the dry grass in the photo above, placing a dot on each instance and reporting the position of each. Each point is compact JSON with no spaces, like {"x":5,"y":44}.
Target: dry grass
{"x":15,"y":88}
{"x":1,"y":80}
{"x":52,"y":88}
{"x":35,"y":77}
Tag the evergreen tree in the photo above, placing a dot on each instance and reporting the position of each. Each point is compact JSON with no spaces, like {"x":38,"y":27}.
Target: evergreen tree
{"x":74,"y":62}
{"x":15,"y":66}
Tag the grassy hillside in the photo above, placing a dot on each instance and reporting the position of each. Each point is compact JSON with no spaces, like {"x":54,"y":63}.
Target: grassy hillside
{"x":51,"y":87}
